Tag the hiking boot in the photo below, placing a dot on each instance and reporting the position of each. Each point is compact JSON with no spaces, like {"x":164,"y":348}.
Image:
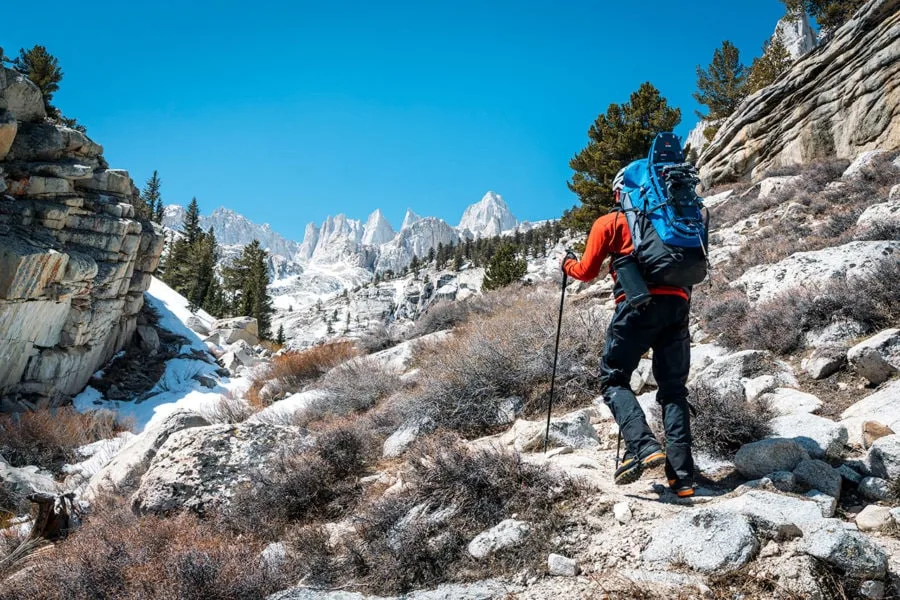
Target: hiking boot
{"x":682,"y":490}
{"x":632,"y":468}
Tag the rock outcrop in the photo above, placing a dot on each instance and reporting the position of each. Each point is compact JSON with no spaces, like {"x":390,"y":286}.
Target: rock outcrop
{"x":74,"y":261}
{"x":841,"y":99}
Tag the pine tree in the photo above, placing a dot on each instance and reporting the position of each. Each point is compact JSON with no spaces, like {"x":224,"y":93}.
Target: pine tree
{"x":178,"y":273}
{"x":622,"y":134}
{"x":42,"y":68}
{"x":414,"y":265}
{"x":247,"y":280}
{"x":191,"y":228}
{"x":720,"y":87}
{"x":774,"y":61}
{"x":150,"y":201}
{"x":279,"y":339}
{"x":505,"y":268}
{"x":204,"y":256}
{"x":457,"y":262}
{"x":829,"y":14}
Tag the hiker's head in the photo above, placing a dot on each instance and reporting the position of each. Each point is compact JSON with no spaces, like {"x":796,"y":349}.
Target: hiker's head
{"x":618,"y":184}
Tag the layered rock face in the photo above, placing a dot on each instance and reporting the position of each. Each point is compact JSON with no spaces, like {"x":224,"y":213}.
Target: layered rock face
{"x":840,"y":99}
{"x":74,"y":262}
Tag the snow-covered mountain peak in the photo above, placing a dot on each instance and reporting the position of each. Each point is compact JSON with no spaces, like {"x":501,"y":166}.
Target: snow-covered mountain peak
{"x":488,"y":217}
{"x":310,"y":240}
{"x":409,"y":219}
{"x":234,"y":229}
{"x":377,"y":230}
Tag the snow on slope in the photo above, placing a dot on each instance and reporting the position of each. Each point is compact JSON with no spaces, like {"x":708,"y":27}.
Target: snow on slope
{"x":178,"y":386}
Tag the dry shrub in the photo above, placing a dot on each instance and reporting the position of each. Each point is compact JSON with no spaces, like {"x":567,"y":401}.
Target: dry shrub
{"x":507,"y":353}
{"x":833,"y":211}
{"x":725,"y":422}
{"x":440,"y":316}
{"x":880,"y":231}
{"x":814,"y":177}
{"x":355,"y":386}
{"x":417,"y":538}
{"x":117,"y":555}
{"x":227,"y":410}
{"x":49,"y":437}
{"x":292,"y":371}
{"x":721,"y":312}
{"x":376,"y":339}
{"x":781,"y":324}
{"x":315,"y":483}
{"x":783,"y":171}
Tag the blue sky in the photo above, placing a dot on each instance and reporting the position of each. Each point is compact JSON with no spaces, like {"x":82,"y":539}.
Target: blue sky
{"x":289,"y":111}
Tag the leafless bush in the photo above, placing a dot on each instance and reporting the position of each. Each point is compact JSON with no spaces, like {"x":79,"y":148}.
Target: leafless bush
{"x":376,"y":339}
{"x":781,"y":324}
{"x":417,"y":538}
{"x":881,"y":231}
{"x":48,"y":437}
{"x":783,"y":171}
{"x":440,"y":316}
{"x":227,"y":410}
{"x":294,"y":370}
{"x":315,"y":483}
{"x":359,"y":383}
{"x":722,"y":313}
{"x":723,"y":423}
{"x":509,"y":353}
{"x":119,"y":555}
{"x":774,"y":325}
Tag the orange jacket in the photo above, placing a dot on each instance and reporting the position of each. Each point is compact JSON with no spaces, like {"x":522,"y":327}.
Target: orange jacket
{"x":610,"y":235}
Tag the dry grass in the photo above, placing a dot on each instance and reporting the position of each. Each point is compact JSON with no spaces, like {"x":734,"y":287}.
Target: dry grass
{"x":506,"y":353}
{"x":117,"y":555}
{"x":292,"y":371}
{"x":48,"y":437}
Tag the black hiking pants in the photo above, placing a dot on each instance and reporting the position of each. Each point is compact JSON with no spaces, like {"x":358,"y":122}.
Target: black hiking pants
{"x":663,"y":326}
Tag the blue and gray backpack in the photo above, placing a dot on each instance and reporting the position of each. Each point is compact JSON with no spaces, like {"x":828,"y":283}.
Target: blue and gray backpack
{"x":665,"y":216}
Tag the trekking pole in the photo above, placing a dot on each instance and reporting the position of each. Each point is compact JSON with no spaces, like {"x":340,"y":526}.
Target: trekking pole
{"x":562,"y":299}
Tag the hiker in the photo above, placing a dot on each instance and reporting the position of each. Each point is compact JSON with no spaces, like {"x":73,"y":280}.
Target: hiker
{"x":658,"y":320}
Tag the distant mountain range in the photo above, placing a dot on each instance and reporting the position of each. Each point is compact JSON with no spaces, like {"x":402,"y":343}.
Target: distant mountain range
{"x":373,"y":246}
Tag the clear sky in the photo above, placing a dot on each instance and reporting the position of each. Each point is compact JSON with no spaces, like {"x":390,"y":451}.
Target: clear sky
{"x":289,"y":111}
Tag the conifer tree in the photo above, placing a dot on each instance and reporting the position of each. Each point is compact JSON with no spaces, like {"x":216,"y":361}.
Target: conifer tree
{"x":279,"y":339}
{"x":178,"y":273}
{"x":204,"y":256}
{"x":720,"y":87}
{"x":43,"y":69}
{"x":505,"y":268}
{"x":247,"y":280}
{"x":191,"y":228}
{"x":829,"y":14}
{"x":774,"y":61}
{"x":620,"y":135}
{"x":150,"y":202}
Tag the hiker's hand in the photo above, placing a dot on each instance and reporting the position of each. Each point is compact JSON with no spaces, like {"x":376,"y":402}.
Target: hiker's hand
{"x":562,"y":261}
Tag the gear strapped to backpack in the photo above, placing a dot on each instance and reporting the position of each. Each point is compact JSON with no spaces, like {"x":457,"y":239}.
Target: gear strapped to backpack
{"x":665,"y":216}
